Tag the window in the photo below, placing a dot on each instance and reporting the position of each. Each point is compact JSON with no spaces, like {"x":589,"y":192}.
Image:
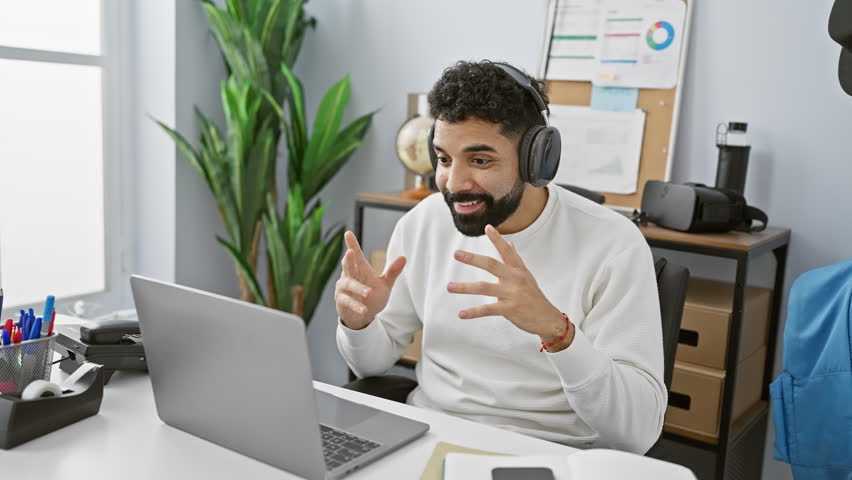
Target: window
{"x":57,"y":129}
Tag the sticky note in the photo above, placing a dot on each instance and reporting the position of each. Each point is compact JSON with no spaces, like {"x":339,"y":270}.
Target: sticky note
{"x":614,"y":99}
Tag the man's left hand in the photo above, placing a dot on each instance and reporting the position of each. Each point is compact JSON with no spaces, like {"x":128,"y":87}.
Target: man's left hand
{"x":519,"y":299}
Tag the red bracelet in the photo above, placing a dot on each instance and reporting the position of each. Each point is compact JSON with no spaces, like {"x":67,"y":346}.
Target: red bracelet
{"x":567,"y":329}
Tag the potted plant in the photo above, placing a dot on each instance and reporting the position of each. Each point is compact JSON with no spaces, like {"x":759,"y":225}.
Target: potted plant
{"x":239,"y":165}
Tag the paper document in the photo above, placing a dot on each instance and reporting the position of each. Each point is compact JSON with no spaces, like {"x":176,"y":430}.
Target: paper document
{"x":618,"y":43}
{"x":435,"y":466}
{"x":573,"y":40}
{"x":640,"y":43}
{"x":600,"y":149}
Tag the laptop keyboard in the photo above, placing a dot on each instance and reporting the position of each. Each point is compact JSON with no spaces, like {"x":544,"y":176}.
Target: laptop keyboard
{"x":340,"y":447}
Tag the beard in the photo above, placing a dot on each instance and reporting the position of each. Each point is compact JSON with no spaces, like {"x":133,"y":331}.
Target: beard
{"x":493,"y":212}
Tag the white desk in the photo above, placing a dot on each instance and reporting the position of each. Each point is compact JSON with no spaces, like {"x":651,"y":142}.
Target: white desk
{"x":127,"y":440}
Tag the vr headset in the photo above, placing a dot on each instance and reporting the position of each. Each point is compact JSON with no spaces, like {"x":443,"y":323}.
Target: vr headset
{"x":694,"y":208}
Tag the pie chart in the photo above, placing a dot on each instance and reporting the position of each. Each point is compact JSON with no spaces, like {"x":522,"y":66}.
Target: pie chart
{"x":660,"y":36}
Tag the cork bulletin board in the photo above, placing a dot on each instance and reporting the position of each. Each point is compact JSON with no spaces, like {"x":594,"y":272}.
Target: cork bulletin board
{"x":661,"y":113}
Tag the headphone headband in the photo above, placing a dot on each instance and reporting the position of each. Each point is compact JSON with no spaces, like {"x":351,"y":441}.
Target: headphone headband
{"x":524,"y":82}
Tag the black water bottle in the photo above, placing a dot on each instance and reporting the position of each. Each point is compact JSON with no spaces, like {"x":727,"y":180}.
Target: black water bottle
{"x":733,"y":156}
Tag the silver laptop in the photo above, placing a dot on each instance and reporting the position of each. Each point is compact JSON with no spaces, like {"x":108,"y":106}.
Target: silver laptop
{"x":238,"y":375}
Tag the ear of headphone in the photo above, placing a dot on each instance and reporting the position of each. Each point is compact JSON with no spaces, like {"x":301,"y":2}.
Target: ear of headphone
{"x":541,"y":146}
{"x":538,"y":155}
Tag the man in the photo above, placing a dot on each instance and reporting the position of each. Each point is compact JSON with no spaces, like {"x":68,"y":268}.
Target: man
{"x":539,"y":308}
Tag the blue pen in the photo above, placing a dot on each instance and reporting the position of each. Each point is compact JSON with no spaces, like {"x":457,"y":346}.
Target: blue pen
{"x":6,"y":339}
{"x":28,"y":325}
{"x":22,"y":324}
{"x":48,"y":310}
{"x":35,"y":330}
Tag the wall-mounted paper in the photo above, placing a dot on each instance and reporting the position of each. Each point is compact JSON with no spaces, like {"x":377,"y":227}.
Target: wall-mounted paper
{"x":639,"y":43}
{"x":635,"y":43}
{"x":573,"y":39}
{"x":614,"y":99}
{"x":600,"y":150}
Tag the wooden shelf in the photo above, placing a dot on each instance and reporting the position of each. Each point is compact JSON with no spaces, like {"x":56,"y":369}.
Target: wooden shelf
{"x":741,"y":241}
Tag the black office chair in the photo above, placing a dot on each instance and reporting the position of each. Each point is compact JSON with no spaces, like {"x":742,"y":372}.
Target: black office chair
{"x":672,"y":280}
{"x":671,"y":283}
{"x":591,"y":195}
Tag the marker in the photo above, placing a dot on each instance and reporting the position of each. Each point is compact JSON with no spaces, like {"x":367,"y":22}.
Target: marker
{"x":50,"y":325}
{"x":48,"y":308}
{"x":6,"y":338}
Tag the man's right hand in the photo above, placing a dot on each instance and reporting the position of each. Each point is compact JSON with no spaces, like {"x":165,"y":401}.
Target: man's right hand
{"x":361,"y":293}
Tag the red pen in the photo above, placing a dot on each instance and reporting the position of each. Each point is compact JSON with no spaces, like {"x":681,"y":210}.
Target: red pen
{"x":50,"y":328}
{"x":18,"y":335}
{"x":8,"y":326}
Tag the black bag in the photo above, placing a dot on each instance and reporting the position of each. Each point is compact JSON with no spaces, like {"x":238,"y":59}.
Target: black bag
{"x":694,"y":208}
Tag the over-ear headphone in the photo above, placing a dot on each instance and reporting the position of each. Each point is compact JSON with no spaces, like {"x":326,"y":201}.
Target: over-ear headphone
{"x":541,"y":146}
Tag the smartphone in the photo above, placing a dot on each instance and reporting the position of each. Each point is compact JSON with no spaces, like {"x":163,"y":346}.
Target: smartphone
{"x":521,"y":473}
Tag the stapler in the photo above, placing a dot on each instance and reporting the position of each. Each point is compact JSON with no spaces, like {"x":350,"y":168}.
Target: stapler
{"x":115,"y":344}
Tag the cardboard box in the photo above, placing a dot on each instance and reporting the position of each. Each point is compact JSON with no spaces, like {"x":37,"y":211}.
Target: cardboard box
{"x":695,"y":399}
{"x":706,"y":322}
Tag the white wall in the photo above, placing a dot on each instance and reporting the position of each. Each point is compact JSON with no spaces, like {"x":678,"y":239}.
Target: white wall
{"x":152,"y":90}
{"x":176,"y":66}
{"x":201,"y":261}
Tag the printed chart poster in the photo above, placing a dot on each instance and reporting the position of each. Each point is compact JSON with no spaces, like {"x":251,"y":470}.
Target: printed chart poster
{"x":573,"y":43}
{"x":639,"y":43}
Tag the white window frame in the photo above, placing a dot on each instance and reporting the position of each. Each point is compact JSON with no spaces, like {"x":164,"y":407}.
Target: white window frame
{"x":118,"y":206}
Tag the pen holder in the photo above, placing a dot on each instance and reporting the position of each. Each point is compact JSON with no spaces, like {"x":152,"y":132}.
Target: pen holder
{"x":24,"y":420}
{"x":22,"y":363}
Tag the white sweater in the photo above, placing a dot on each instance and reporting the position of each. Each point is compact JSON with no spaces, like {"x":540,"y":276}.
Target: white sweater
{"x":605,"y":390}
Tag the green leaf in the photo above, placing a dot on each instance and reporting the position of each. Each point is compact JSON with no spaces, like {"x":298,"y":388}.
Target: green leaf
{"x":292,"y":32}
{"x":278,"y":259}
{"x":297,"y":115}
{"x":270,"y":22}
{"x":224,"y":29}
{"x":294,"y":211}
{"x":244,"y":269}
{"x":258,"y":169}
{"x":332,"y":250}
{"x":326,"y":124}
{"x":346,"y":143}
{"x":187,"y":151}
{"x":236,"y":9}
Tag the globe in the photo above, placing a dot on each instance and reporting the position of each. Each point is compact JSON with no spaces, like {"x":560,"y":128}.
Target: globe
{"x":411,"y":145}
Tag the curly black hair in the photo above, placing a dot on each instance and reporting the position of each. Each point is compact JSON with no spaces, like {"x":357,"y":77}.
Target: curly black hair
{"x":483,"y":90}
